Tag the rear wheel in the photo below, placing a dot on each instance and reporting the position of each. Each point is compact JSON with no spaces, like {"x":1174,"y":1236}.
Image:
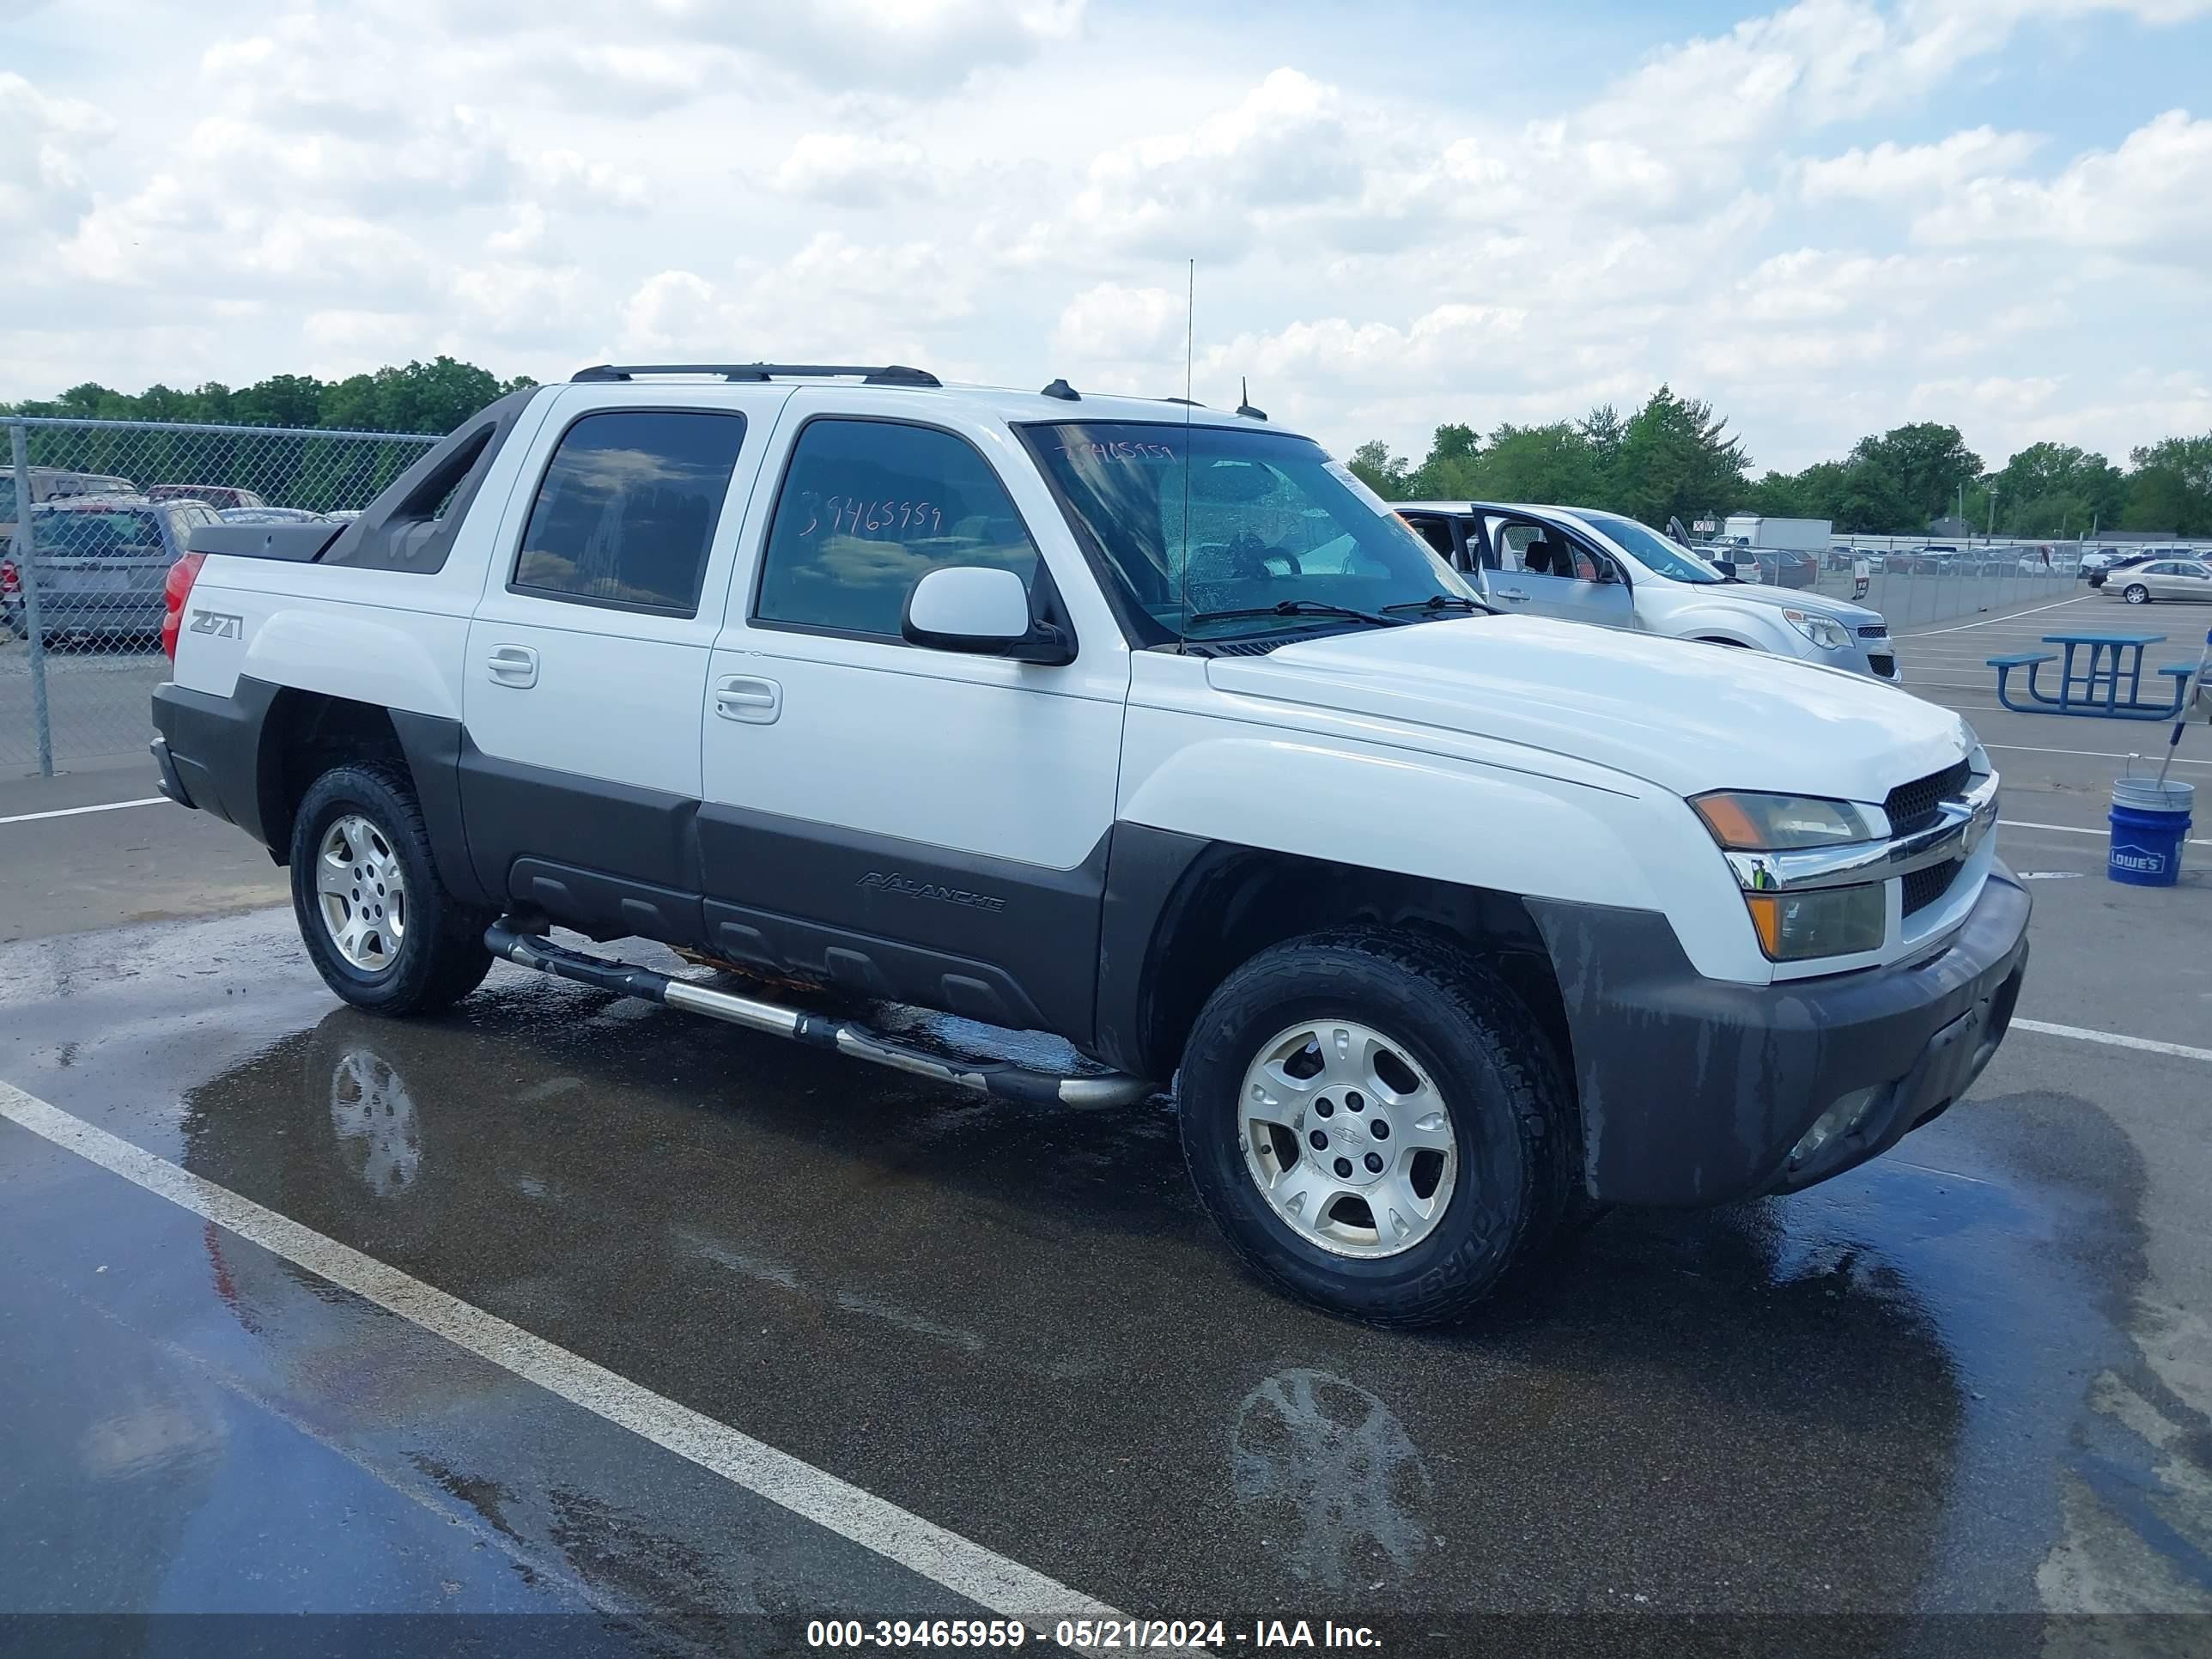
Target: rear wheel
{"x":2136,"y":593}
{"x":382,"y":930}
{"x":1377,"y":1124}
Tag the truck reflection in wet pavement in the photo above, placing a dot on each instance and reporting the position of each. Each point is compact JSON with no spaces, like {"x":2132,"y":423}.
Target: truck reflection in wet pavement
{"x":1896,"y":1392}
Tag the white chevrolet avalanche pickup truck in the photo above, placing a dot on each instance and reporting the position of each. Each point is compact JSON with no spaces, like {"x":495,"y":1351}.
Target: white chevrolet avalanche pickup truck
{"x":1139,"y":724}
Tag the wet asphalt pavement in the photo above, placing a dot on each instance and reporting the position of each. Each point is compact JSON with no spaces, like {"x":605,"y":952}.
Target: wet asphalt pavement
{"x":1970,"y":1378}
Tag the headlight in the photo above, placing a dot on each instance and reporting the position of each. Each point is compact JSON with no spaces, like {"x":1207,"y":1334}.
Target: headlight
{"x":1825,"y":632}
{"x":1821,"y":921}
{"x":1776,"y":823}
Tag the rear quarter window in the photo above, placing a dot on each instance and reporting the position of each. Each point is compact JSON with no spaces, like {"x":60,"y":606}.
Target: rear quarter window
{"x":625,"y":515}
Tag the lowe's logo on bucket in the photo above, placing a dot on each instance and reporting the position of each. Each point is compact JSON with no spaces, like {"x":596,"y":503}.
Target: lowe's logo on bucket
{"x":2138,"y":857}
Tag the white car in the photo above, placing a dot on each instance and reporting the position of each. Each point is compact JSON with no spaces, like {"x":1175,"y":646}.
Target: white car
{"x":1143,"y":725}
{"x":1584,"y":565}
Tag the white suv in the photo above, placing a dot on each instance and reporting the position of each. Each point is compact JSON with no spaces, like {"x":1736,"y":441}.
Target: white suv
{"x":1142,"y":725}
{"x":1586,"y":565}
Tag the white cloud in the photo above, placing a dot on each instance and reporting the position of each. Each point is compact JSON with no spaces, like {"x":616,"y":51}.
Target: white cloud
{"x":1890,"y":171}
{"x":854,"y":169}
{"x":43,"y":143}
{"x":1111,"y":324}
{"x":1008,"y":189}
{"x":2152,"y":195}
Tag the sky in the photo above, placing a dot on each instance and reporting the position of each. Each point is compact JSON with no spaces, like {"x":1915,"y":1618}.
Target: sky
{"x":1827,"y":219}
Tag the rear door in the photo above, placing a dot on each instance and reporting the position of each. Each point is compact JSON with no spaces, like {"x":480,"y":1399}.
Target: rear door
{"x":586,"y":668}
{"x":2180,"y":579}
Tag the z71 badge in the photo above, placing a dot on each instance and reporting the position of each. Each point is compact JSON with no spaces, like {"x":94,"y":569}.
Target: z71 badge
{"x":220,"y":623}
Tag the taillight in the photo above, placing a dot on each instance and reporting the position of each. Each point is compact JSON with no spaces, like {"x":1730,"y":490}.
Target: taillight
{"x":175,"y":591}
{"x":9,"y":582}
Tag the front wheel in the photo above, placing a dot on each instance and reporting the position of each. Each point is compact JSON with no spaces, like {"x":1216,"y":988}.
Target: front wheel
{"x":377,"y":922}
{"x":1377,"y":1124}
{"x":2136,"y":593}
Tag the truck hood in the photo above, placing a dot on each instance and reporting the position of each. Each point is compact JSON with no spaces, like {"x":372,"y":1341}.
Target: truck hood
{"x":1687,"y":716}
{"x":1798,"y":598}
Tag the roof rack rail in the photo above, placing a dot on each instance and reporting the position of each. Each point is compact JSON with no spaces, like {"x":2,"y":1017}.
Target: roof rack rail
{"x":882,"y":375}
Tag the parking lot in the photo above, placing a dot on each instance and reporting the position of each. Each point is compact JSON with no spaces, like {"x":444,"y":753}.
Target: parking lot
{"x":569,"y":1305}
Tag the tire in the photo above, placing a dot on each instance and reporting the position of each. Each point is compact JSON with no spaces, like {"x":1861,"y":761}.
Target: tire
{"x":432,"y":950}
{"x":1475,"y":1049}
{"x":2135,"y":594}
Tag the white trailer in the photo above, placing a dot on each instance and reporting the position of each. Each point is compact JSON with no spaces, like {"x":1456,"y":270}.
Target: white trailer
{"x":1765,"y":534}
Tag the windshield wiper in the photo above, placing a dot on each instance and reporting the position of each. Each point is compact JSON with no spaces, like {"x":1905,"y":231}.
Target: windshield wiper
{"x":1298,"y":608}
{"x":1436,"y":601}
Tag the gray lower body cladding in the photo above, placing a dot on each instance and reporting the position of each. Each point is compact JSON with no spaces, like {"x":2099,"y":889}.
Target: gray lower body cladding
{"x":1694,"y":1091}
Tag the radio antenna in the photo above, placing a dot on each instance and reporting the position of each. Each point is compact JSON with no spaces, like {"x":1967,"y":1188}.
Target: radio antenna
{"x":1189,"y":350}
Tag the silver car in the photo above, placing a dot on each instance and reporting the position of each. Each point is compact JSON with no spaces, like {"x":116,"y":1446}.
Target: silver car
{"x":2185,"y":580}
{"x":101,"y":562}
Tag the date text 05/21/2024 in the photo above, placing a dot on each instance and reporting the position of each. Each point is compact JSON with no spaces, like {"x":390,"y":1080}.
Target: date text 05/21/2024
{"x":1093,"y":1636}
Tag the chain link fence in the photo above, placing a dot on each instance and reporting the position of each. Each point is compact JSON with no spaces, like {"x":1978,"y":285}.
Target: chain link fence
{"x":92,"y":515}
{"x":1916,"y":582}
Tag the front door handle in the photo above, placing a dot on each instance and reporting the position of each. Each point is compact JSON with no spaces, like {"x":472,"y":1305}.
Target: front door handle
{"x":743,"y":698}
{"x":1514,"y":594}
{"x":512,"y":665}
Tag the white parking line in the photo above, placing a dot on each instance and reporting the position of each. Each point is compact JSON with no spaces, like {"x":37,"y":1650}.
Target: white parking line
{"x":2076,"y":829}
{"x":1992,"y":621}
{"x":2080,"y":1034}
{"x":1006,"y":1588}
{"x":2094,"y":753}
{"x":71,"y":811}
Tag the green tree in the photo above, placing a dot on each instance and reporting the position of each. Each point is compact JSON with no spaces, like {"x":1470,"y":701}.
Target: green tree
{"x":1782,"y":495}
{"x":1674,"y":458}
{"x":1380,"y":471}
{"x":1920,"y":466}
{"x":1448,"y":471}
{"x":2171,"y":488}
{"x":2044,"y":481}
{"x":1555,"y":463}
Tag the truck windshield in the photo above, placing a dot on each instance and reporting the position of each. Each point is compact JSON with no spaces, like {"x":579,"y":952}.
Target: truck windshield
{"x":1653,"y":551}
{"x":1270,"y":520}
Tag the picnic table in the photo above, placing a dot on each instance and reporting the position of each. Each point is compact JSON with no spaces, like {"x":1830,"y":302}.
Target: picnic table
{"x":2094,"y":688}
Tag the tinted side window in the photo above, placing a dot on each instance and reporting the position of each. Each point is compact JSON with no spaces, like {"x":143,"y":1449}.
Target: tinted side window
{"x":627,"y":507}
{"x":868,"y":508}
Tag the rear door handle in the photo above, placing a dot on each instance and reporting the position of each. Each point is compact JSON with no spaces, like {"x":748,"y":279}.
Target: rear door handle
{"x":742,"y":698}
{"x":512,"y":665}
{"x":1514,"y":594}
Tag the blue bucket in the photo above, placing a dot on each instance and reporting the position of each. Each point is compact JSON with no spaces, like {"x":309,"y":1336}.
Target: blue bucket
{"x":2150,"y":821}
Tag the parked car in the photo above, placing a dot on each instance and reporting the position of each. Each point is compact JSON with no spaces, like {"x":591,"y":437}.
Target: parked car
{"x":2187,"y":581}
{"x":269,"y":515}
{"x":102,"y":561}
{"x":2104,"y":572}
{"x":1582,"y":565}
{"x":1789,"y":566}
{"x":1142,"y":725}
{"x":54,"y":483}
{"x":1733,"y":556}
{"x":215,"y":495}
{"x":1788,"y":550}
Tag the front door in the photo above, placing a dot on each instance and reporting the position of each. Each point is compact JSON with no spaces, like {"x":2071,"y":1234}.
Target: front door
{"x":913,"y":823}
{"x":1544,"y":570}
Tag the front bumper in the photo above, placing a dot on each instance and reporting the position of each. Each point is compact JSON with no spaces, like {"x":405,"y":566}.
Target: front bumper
{"x":1694,"y":1091}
